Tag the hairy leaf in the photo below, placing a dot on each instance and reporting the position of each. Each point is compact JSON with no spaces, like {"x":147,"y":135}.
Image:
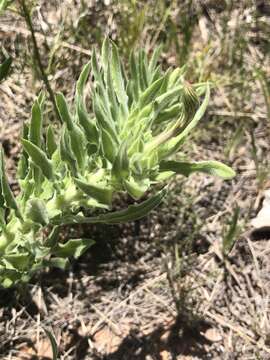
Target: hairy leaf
{"x":209,"y":167}
{"x":39,"y":158}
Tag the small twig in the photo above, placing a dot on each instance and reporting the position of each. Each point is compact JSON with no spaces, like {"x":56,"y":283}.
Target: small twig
{"x":38,"y":58}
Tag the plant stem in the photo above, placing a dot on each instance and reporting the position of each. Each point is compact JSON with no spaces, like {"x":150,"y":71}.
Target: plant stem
{"x":44,"y":76}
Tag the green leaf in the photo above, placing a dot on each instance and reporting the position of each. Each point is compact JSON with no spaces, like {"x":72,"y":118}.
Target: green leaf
{"x":37,"y":212}
{"x":18,"y":261}
{"x":134,"y":76}
{"x":9,"y":277}
{"x":117,"y":77}
{"x":101,"y":194}
{"x":132,"y":213}
{"x":6,"y":191}
{"x":143,"y":70}
{"x":54,"y":346}
{"x":2,"y":199}
{"x":22,"y":168}
{"x":51,"y":145}
{"x":153,"y":61}
{"x":215,"y":168}
{"x":39,"y":158}
{"x":121,"y":163}
{"x":103,"y":118}
{"x":35,"y":124}
{"x":66,"y":152}
{"x":105,"y":55}
{"x":81,"y":82}
{"x":89,"y":127}
{"x":41,"y":100}
{"x":73,"y":247}
{"x":136,"y":189}
{"x":57,"y":262}
{"x":231,"y":235}
{"x":163,"y":100}
{"x":77,"y":143}
{"x":63,"y":110}
{"x":169,"y":114}
{"x":150,"y":93}
{"x":108,"y":145}
{"x":53,"y":236}
{"x":2,"y":218}
{"x":96,"y":71}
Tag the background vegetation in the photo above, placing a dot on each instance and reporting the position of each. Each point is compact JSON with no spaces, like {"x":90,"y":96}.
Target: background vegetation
{"x":190,"y":281}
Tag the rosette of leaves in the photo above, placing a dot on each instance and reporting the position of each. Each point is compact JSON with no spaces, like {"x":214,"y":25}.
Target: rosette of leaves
{"x":122,"y":140}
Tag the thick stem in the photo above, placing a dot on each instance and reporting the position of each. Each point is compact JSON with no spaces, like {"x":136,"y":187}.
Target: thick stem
{"x":37,"y":56}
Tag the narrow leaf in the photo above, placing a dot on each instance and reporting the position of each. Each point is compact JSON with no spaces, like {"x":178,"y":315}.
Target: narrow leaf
{"x":105,"y":55}
{"x":215,"y":168}
{"x":150,"y":93}
{"x":90,"y":129}
{"x":82,"y":81}
{"x":101,"y":194}
{"x":132,"y":213}
{"x":64,"y":111}
{"x":77,"y":143}
{"x":231,"y":235}
{"x":117,"y":77}
{"x":121,"y":164}
{"x":51,"y":145}
{"x":6,"y":191}
{"x":73,"y":247}
{"x":39,"y":158}
{"x":109,"y":146}
{"x":53,"y":343}
{"x":66,"y":152}
{"x":35,"y":124}
{"x":154,"y":59}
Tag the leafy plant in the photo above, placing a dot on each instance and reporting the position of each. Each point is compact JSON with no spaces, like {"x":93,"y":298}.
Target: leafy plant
{"x":122,"y":145}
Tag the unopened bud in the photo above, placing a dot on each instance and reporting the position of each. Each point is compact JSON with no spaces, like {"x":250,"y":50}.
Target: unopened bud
{"x":190,"y":101}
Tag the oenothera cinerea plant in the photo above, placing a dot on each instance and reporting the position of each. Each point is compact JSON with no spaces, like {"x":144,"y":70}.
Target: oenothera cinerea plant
{"x":119,"y":143}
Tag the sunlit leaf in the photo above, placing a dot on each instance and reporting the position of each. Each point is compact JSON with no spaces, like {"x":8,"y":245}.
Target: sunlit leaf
{"x":39,"y":158}
{"x":215,"y":168}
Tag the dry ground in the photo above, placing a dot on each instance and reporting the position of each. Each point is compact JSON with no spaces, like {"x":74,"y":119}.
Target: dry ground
{"x":159,"y":288}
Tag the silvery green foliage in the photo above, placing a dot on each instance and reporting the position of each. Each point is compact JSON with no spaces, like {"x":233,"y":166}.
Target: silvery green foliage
{"x":122,"y":145}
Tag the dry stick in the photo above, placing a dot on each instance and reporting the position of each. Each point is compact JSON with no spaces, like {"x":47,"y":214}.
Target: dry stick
{"x":38,"y":58}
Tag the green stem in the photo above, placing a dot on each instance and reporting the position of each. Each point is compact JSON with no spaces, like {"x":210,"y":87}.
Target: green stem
{"x":38,"y":58}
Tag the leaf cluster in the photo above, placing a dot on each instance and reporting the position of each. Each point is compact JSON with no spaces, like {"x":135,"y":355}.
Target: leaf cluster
{"x":120,"y":143}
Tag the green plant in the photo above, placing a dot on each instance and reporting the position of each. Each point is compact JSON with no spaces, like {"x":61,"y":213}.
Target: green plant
{"x":4,"y":4}
{"x":122,"y":146}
